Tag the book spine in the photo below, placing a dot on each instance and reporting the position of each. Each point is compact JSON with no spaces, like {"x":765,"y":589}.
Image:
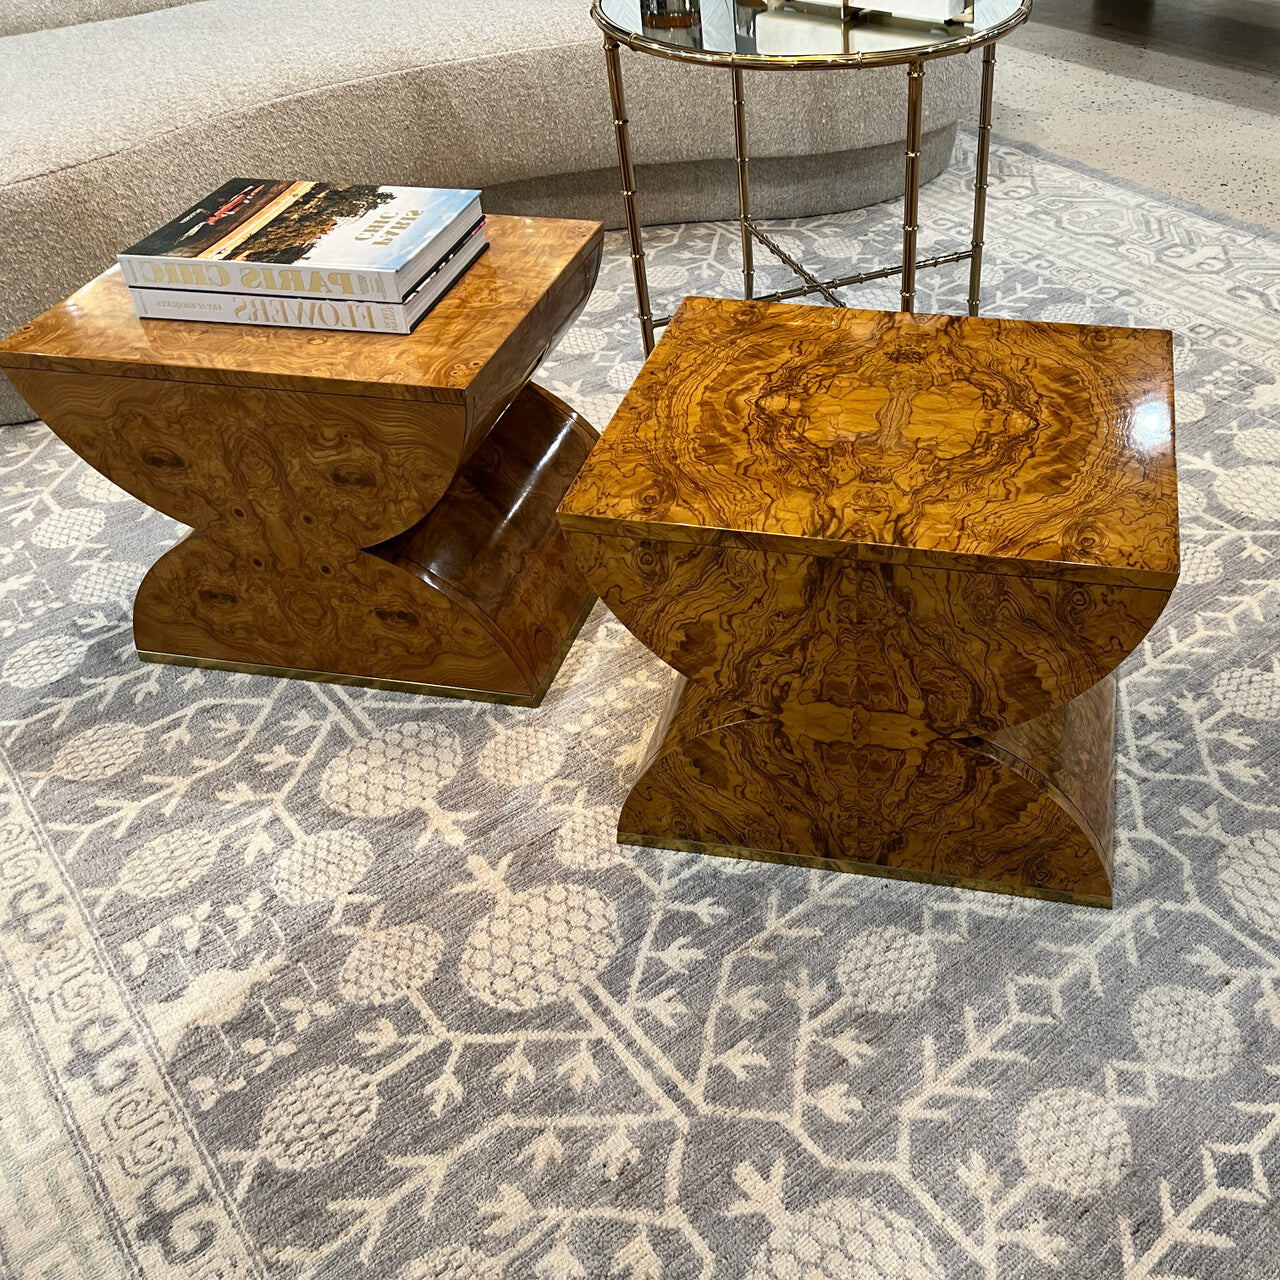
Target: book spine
{"x":262,"y":279}
{"x":292,"y":313}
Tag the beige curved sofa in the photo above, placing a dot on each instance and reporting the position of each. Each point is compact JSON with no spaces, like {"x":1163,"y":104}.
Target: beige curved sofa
{"x":118,"y":120}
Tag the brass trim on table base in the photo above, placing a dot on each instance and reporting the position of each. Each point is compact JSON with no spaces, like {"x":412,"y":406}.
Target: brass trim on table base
{"x":337,"y":677}
{"x":849,"y":866}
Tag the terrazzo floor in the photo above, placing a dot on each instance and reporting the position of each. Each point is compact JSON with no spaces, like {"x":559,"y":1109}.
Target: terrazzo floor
{"x":1229,"y":33}
{"x":1188,"y":125}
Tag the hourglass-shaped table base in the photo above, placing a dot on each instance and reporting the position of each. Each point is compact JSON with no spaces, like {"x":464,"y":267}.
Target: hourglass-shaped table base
{"x":1028,"y":810}
{"x":365,"y":508}
{"x":896,"y":560}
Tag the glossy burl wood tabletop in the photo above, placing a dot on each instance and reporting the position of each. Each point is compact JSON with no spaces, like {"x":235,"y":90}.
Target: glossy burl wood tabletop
{"x":96,"y":331}
{"x":941,"y":441}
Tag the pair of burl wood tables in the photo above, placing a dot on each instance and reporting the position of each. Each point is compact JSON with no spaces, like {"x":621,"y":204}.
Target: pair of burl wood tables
{"x":893,"y":558}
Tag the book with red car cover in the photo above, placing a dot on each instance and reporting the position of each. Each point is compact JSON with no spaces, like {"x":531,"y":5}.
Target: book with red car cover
{"x":307,"y":240}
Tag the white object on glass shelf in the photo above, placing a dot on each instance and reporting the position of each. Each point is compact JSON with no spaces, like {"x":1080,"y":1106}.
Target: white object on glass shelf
{"x":790,"y":32}
{"x":914,"y":10}
{"x":784,"y":33}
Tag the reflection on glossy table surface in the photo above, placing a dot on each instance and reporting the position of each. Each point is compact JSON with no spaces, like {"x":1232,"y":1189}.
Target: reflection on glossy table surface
{"x":1015,"y":446}
{"x":798,"y":32}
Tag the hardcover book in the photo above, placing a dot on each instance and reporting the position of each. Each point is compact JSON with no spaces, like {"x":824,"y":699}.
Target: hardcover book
{"x":305,"y":239}
{"x":307,"y":311}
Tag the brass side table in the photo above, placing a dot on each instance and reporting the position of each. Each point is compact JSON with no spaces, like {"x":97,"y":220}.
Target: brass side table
{"x":745,"y":35}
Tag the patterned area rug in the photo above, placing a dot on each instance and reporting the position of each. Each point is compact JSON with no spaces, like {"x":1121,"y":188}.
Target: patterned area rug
{"x":302,"y":980}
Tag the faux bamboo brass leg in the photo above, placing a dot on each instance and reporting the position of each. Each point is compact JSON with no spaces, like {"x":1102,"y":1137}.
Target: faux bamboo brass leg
{"x":911,"y":197}
{"x":627,"y":172}
{"x":980,"y":177}
{"x":744,"y":192}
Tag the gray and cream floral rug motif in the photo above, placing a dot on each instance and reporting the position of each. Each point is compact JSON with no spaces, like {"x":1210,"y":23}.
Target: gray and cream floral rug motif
{"x":310,"y":981}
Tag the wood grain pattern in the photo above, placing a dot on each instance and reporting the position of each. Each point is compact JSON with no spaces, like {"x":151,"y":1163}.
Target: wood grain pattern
{"x":1005,"y":446}
{"x":958,"y":651}
{"x":896,"y":559}
{"x":492,"y":544}
{"x":850,"y":794}
{"x":486,"y":334}
{"x":258,"y":464}
{"x":1070,"y":752}
{"x":363,"y":506}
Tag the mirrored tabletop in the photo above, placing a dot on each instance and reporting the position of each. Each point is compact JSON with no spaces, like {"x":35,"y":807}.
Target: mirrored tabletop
{"x":806,"y":33}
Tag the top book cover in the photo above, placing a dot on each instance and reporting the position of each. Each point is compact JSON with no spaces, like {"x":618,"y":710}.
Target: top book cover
{"x":256,"y":235}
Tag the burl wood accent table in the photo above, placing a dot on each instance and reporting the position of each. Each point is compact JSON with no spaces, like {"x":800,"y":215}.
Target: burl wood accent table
{"x":895,"y":559}
{"x":367,"y":508}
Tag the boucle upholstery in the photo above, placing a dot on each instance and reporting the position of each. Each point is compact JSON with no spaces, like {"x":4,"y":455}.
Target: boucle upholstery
{"x":109,"y":127}
{"x":20,"y":16}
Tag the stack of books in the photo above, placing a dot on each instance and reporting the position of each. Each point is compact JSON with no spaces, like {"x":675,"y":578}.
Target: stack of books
{"x":307,"y":255}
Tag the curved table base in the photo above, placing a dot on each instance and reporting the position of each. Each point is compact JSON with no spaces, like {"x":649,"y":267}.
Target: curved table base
{"x":1027,"y":811}
{"x":482,"y":598}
